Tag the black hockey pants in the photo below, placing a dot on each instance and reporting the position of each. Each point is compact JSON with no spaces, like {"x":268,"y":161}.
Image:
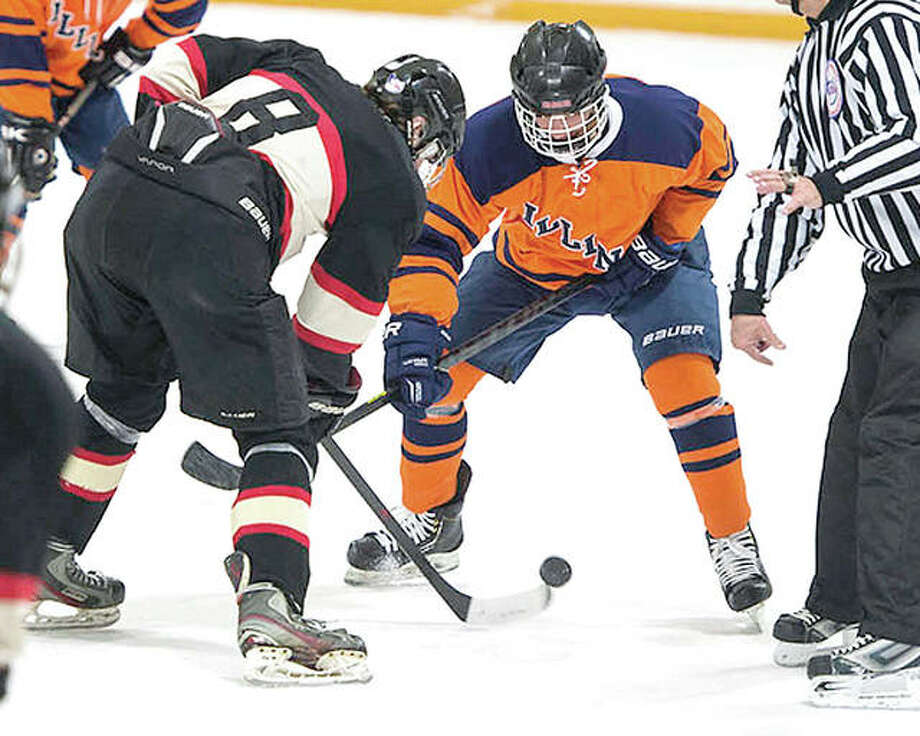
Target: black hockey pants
{"x":868,"y":532}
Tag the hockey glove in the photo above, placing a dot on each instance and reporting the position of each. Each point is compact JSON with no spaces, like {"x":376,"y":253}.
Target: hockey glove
{"x":117,"y":59}
{"x":31,"y":146}
{"x":413,"y":344}
{"x":326,"y":405}
{"x":646,"y":258}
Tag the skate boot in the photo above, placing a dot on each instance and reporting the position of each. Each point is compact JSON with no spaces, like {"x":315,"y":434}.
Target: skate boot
{"x":85,"y":600}
{"x":376,"y":559}
{"x":283,"y":648}
{"x":870,"y":673}
{"x":802,"y":634}
{"x":744,"y":581}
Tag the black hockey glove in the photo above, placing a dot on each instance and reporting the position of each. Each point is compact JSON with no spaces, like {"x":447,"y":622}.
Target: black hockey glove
{"x":31,"y":146}
{"x":326,"y":405}
{"x":118,"y":58}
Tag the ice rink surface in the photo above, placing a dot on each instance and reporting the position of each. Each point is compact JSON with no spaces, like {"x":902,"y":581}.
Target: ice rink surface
{"x":574,"y":461}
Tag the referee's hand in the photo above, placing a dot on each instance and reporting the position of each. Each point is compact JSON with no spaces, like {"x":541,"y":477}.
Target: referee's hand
{"x":752,"y":334}
{"x":801,"y":190}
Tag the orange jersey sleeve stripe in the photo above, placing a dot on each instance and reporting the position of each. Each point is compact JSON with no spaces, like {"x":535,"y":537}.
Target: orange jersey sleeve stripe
{"x":162,"y":21}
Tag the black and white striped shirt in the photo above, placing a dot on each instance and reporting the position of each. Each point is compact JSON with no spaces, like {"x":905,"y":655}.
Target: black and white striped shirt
{"x":850,"y":107}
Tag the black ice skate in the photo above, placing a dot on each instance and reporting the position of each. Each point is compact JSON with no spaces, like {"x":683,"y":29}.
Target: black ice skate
{"x":744,"y":581}
{"x":376,"y":559}
{"x":802,"y":634}
{"x":870,"y":673}
{"x":283,"y":648}
{"x":70,"y":597}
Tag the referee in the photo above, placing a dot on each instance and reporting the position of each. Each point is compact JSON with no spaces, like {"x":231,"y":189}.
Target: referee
{"x":849,"y":142}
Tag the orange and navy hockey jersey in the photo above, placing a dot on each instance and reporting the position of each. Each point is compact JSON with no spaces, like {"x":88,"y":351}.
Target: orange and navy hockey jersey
{"x":664,"y":160}
{"x":44,"y":43}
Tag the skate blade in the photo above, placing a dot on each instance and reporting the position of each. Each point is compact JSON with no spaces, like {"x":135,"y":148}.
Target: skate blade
{"x":791,"y":654}
{"x":273,"y":666}
{"x":406,"y":575}
{"x":892,"y":691}
{"x":40,"y":617}
{"x":755,"y":614}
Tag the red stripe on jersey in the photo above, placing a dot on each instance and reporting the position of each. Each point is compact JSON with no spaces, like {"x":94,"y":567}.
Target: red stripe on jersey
{"x":323,"y":342}
{"x":152,"y":89}
{"x":85,"y":493}
{"x":262,"y":491}
{"x":280,"y":530}
{"x":342,"y":290}
{"x":17,"y":586}
{"x":199,"y":68}
{"x":99,"y":459}
{"x":329,"y":134}
{"x":288,"y":205}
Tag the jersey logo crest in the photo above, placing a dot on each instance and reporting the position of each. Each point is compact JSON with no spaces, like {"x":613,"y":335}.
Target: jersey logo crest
{"x":589,"y":246}
{"x":580,"y":177}
{"x":833,"y":89}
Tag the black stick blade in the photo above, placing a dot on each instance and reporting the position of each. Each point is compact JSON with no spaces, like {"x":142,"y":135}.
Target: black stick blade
{"x":203,"y":465}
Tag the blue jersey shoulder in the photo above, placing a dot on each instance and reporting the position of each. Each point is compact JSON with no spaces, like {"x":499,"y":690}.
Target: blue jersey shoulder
{"x":661,"y":125}
{"x":494,"y":156}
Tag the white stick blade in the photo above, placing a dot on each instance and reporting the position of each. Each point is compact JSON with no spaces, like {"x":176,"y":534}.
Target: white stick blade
{"x":509,"y":607}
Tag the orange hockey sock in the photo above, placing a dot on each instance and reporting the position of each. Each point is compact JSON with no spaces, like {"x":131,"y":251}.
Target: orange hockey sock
{"x":432,"y":448}
{"x":686,"y":392}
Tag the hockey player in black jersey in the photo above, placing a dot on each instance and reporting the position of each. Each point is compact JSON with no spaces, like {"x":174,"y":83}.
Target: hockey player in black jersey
{"x":35,"y":410}
{"x":240,"y":151}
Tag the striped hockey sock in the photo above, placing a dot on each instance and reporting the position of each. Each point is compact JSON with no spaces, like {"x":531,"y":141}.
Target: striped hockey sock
{"x":270,"y":517}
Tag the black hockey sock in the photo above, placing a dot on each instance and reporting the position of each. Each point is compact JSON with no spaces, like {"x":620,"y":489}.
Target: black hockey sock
{"x":270,"y":518}
{"x":88,"y":480}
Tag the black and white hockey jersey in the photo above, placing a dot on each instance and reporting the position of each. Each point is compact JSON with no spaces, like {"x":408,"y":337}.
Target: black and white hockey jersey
{"x":344,"y":169}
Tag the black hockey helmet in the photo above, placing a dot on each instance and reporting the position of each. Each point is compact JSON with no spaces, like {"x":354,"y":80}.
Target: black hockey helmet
{"x":558,"y":72}
{"x":412,"y":86}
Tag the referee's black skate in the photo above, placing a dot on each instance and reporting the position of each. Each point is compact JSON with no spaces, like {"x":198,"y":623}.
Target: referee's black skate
{"x":376,"y":559}
{"x":802,"y":634}
{"x":70,"y":597}
{"x":741,"y":573}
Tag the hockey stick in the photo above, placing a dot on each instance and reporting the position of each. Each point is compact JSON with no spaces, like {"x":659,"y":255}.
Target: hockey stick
{"x":488,"y":337}
{"x":465,"y":607}
{"x":203,"y":465}
{"x":74,"y":107}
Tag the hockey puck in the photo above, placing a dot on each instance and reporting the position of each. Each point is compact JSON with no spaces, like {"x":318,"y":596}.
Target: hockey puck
{"x":555,"y":571}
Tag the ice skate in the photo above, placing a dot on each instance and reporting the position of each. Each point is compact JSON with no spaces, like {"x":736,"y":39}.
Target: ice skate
{"x":744,"y":581}
{"x":376,"y":559}
{"x":70,"y":597}
{"x":870,"y":673}
{"x":283,"y":648}
{"x":803,"y":634}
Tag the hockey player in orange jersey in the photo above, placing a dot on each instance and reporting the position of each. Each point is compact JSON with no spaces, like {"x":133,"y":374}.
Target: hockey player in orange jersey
{"x":50,"y":50}
{"x":588,"y":175}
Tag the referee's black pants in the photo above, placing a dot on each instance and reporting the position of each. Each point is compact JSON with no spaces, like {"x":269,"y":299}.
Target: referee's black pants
{"x":868,"y":532}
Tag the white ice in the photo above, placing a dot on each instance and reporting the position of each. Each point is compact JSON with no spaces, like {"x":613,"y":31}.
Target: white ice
{"x":572,"y":461}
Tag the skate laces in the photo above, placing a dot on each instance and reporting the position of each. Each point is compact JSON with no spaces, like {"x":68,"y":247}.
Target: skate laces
{"x":417,"y":526}
{"x":807,"y":617}
{"x":735,"y":557}
{"x":857,"y":643}
{"x":90,"y":578}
